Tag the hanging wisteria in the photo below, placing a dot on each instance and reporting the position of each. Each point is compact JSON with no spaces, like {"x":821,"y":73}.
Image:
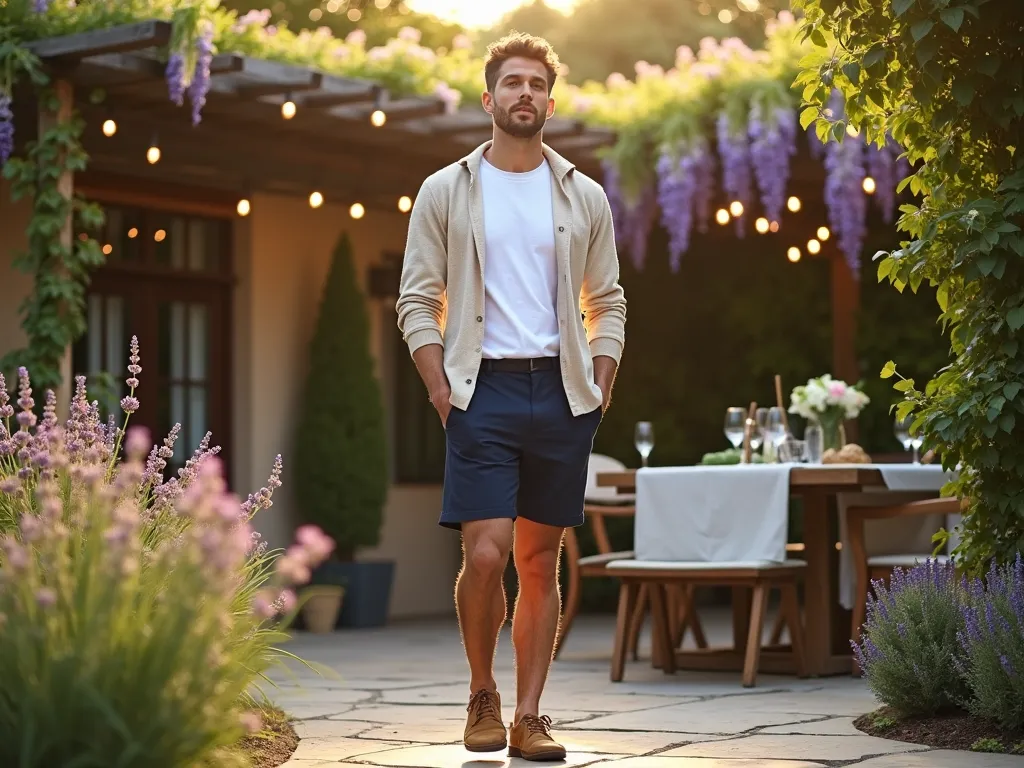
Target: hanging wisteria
{"x":632,"y":220}
{"x":6,"y":128}
{"x":882,"y":168}
{"x":844,"y":191}
{"x":188,"y":67}
{"x":734,"y":152}
{"x":705,"y":173}
{"x":677,"y":186}
{"x":772,"y":144}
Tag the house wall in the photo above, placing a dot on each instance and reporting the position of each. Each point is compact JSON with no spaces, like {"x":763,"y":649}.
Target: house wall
{"x":277,"y":298}
{"x":282,"y":253}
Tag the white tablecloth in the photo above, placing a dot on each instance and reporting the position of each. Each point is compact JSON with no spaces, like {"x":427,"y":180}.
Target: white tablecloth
{"x":740,"y":513}
{"x":712,"y":513}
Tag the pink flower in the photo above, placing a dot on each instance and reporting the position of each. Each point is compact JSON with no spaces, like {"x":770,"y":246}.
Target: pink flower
{"x":356,"y":37}
{"x":409,"y":34}
{"x":836,"y":389}
{"x":285,"y":601}
{"x":251,"y":722}
{"x":16,"y":555}
{"x":46,"y":597}
{"x":263,"y":606}
{"x":317,"y":544}
{"x":292,"y":567}
{"x":461,"y":42}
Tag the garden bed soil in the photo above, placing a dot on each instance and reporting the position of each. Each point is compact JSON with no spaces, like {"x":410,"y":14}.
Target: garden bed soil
{"x":955,"y":730}
{"x":275,"y":745}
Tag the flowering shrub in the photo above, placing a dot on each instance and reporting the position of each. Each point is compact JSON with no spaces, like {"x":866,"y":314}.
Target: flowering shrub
{"x":909,"y":640}
{"x":992,"y":643}
{"x":133,"y":609}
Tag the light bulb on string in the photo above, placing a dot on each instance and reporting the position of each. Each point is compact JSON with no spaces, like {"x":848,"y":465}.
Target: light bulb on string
{"x":288,"y":108}
{"x":823,"y":234}
{"x":813,"y":247}
{"x":736,"y":208}
{"x":793,"y":254}
{"x":153,"y":154}
{"x":722,"y":216}
{"x":773,"y":227}
{"x":793,"y":203}
{"x":108,"y":249}
{"x":405,"y":203}
{"x":316,"y":200}
{"x":869,"y":185}
{"x":109,"y":127}
{"x":378,"y":117}
{"x":357,"y":211}
{"x":243,"y":207}
{"x":761,"y":225}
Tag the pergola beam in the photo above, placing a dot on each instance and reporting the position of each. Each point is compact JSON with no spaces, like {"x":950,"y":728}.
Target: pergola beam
{"x":126,"y":37}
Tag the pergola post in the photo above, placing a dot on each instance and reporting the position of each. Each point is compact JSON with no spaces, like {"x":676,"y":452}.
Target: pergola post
{"x":845,"y":308}
{"x":49,"y":119}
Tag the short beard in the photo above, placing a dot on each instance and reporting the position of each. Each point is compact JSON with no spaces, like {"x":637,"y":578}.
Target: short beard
{"x":503,"y":119}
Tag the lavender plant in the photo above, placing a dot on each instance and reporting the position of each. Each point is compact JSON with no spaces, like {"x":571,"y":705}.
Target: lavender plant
{"x":992,"y":645}
{"x":135,"y":610}
{"x":909,"y":640}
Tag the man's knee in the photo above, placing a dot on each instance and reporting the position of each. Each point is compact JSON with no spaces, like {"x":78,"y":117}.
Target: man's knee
{"x":538,"y":569}
{"x":486,"y":555}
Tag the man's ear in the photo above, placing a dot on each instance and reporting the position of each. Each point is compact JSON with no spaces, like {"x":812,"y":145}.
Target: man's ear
{"x":488,"y":101}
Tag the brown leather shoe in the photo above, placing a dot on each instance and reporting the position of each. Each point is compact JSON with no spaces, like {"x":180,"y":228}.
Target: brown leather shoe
{"x":485,"y":730}
{"x":531,"y":740}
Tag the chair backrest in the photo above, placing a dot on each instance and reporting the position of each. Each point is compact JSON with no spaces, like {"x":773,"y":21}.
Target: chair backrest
{"x":601,"y":463}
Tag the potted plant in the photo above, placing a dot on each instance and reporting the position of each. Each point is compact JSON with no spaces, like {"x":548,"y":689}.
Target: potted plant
{"x":341,"y":462}
{"x":828,"y":402}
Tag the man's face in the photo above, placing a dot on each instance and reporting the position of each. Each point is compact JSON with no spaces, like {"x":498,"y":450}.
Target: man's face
{"x":520,"y":104}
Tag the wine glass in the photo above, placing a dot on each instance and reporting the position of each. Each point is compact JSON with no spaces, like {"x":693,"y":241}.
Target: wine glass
{"x":909,"y":441}
{"x":735,"y":426}
{"x":775,"y":426}
{"x":757,"y":432}
{"x":643,"y":439}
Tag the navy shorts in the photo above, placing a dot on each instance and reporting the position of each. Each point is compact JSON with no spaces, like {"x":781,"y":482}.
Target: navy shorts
{"x":517,"y":451}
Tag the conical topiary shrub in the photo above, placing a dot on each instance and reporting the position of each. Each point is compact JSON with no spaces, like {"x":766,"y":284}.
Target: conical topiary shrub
{"x":341,"y":470}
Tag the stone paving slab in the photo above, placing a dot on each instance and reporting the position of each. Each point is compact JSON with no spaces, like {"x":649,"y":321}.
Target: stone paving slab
{"x":412,"y":715}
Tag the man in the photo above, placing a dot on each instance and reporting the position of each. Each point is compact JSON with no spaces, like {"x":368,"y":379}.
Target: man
{"x":506,"y":249}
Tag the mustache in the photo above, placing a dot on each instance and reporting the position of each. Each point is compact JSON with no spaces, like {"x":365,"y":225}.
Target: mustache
{"x":525,"y":108}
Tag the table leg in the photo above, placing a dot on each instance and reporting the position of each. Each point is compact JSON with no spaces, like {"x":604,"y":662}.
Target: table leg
{"x":818,"y":548}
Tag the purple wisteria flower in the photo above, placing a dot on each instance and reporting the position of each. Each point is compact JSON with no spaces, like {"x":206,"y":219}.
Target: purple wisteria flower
{"x":706,"y":186}
{"x":40,"y":6}
{"x":632,"y":220}
{"x":734,"y":151}
{"x":882,"y":167}
{"x":844,"y":192}
{"x":200,"y":84}
{"x":175,"y":75}
{"x":677,"y":188}
{"x":6,"y":128}
{"x":772,"y":144}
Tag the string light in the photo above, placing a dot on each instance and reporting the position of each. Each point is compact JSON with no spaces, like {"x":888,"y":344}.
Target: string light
{"x":288,"y":109}
{"x":813,"y":247}
{"x":315,"y":14}
{"x":316,"y":200}
{"x":736,"y":208}
{"x":153,"y":154}
{"x":793,"y":203}
{"x":761,"y":225}
{"x":793,"y":254}
{"x":725,"y":16}
{"x":357,"y":211}
{"x":382,"y":4}
{"x":823,"y":234}
{"x":773,"y":227}
{"x":869,"y":185}
{"x":133,"y":233}
{"x":109,"y":128}
{"x":354,"y":14}
{"x":378,"y":118}
{"x":108,"y":249}
{"x":749,"y":5}
{"x":722,"y":216}
{"x":243,"y":207}
{"x":159,"y":235}
{"x":405,"y":203}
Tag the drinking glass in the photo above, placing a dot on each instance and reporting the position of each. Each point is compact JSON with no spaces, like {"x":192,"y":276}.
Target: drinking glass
{"x":643,"y":439}
{"x":909,"y":441}
{"x":775,"y":426}
{"x":757,"y":433}
{"x":814,"y":443}
{"x":735,"y":425}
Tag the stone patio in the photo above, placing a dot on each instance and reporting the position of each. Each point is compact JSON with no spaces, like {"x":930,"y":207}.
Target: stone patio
{"x":397,"y":697}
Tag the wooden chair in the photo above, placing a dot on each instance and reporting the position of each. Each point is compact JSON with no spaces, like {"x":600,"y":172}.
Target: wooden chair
{"x":760,"y":576}
{"x":880,"y":567}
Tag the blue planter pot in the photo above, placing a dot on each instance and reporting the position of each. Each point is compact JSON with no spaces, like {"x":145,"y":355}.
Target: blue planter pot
{"x":367,"y":590}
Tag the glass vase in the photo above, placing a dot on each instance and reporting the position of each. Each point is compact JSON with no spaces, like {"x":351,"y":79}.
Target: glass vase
{"x":833,"y":432}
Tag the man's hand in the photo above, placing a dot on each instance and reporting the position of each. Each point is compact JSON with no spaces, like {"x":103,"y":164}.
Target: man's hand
{"x":604,"y":377}
{"x":441,"y":400}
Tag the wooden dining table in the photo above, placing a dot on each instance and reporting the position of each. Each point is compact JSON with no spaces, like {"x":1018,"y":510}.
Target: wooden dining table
{"x":827,"y":623}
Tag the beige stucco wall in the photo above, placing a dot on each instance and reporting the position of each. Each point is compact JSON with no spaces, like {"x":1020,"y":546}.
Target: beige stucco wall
{"x":289,"y":246}
{"x":282,"y":255}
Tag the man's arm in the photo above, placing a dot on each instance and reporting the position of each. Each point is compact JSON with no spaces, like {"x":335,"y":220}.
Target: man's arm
{"x":421,"y":298}
{"x":603,"y":302}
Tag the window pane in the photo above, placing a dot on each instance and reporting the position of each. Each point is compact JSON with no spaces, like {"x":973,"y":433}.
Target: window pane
{"x":124,"y":227}
{"x":198,"y":335}
{"x":197,"y":422}
{"x":169,"y":237}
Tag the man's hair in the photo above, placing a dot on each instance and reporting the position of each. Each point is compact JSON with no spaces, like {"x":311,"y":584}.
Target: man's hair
{"x":522,"y":45}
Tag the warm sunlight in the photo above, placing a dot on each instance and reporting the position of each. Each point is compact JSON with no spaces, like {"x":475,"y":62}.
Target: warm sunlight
{"x":478,"y":13}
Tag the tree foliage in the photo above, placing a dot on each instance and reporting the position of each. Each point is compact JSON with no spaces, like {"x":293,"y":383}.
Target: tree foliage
{"x":944,"y":80}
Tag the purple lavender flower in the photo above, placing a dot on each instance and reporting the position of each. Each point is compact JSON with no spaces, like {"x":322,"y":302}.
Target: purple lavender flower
{"x":40,"y":6}
{"x":200,"y":84}
{"x":6,"y":410}
{"x":26,"y":418}
{"x":175,"y":74}
{"x":772,"y":144}
{"x":134,"y":369}
{"x":6,"y":128}
{"x":844,"y":194}
{"x":129,"y":404}
{"x":736,"y":173}
{"x":677,"y":186}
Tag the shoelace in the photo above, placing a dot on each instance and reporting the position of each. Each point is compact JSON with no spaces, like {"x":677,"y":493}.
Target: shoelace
{"x":536,"y":724}
{"x":484,"y":703}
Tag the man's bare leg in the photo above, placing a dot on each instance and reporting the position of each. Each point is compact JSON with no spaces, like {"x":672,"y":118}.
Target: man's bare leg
{"x":480,"y":595}
{"x":535,"y":621}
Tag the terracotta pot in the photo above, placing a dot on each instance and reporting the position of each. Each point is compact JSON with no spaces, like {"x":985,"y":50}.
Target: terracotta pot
{"x":320,"y":608}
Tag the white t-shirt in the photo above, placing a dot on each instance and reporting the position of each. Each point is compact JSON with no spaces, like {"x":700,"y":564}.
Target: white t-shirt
{"x":520,"y":271}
